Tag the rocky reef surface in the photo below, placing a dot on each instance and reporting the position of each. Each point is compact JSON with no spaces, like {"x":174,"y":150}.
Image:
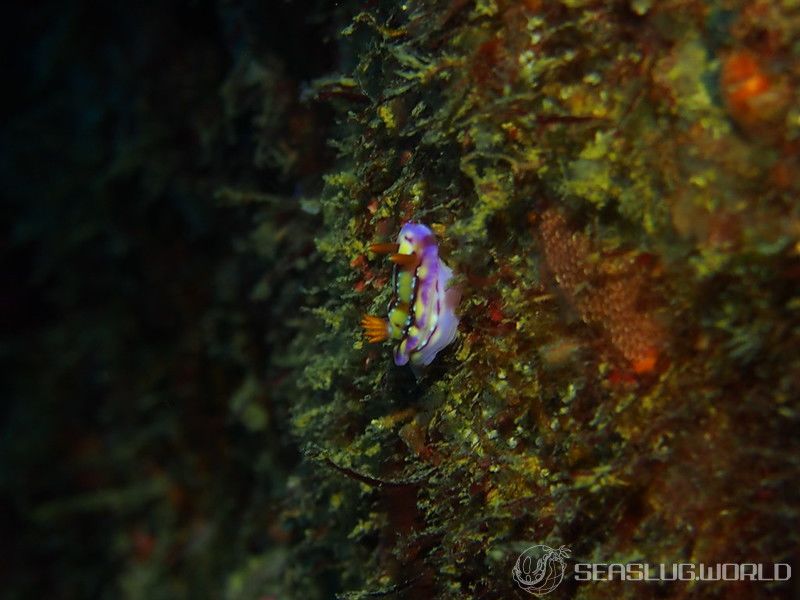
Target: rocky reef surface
{"x":615,"y":186}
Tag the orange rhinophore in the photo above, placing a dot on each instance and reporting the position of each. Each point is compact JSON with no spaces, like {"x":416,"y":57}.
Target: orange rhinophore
{"x":406,"y":261}
{"x":375,"y":328}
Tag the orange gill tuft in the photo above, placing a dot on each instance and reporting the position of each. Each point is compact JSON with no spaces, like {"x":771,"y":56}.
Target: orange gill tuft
{"x":375,"y":328}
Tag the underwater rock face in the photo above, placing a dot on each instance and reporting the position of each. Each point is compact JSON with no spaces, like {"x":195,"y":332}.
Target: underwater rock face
{"x":614,"y":186}
{"x":614,"y":183}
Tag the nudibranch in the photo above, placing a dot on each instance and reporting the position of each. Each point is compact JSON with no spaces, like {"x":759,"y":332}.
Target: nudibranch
{"x":421,"y":317}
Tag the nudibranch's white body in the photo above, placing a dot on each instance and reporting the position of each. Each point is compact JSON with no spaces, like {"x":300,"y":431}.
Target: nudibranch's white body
{"x":422,"y":311}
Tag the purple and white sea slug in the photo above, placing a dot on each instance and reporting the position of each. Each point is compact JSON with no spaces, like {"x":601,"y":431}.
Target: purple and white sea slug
{"x":421,"y":314}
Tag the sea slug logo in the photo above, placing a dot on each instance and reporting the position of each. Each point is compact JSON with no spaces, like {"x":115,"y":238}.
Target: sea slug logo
{"x":540,"y":569}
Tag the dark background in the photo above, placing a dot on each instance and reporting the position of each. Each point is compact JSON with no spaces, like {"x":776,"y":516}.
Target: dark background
{"x":127,"y":317}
